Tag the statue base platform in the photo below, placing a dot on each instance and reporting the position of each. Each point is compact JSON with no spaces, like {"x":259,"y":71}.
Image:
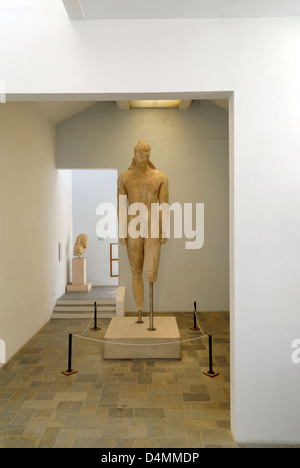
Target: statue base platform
{"x":79,"y":287}
{"x":125,"y":339}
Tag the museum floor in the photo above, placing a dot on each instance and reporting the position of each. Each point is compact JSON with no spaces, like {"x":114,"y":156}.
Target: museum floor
{"x":116,"y":404}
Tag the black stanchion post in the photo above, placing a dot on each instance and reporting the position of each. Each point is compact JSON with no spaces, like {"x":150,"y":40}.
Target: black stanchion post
{"x":211,"y":372}
{"x":210,"y":356}
{"x":95,"y":328}
{"x":70,"y":371}
{"x":195,"y":328}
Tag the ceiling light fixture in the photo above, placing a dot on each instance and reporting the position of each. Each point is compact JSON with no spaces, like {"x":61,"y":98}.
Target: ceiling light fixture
{"x":142,"y":104}
{"x":160,"y":103}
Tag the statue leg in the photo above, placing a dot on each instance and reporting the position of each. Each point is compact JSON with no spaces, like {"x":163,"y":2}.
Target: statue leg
{"x":135,"y":249}
{"x":152,"y":259}
{"x":138,"y":289}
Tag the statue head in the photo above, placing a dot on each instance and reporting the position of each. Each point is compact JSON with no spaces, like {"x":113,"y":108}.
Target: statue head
{"x":142,"y":155}
{"x":80,"y":245}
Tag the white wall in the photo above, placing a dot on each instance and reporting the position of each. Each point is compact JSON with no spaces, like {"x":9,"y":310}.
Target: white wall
{"x":91,"y":188}
{"x":35,"y":214}
{"x":191,"y":148}
{"x":257,"y":59}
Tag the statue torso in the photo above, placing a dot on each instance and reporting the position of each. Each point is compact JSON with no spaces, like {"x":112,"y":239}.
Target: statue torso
{"x":142,"y":187}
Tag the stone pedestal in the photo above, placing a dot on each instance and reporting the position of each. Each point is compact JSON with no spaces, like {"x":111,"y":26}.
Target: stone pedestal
{"x":79,"y":282}
{"x":125,"y":339}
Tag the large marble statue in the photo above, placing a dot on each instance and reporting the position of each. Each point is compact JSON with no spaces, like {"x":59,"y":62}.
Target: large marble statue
{"x":142,"y":183}
{"x":80,"y":245}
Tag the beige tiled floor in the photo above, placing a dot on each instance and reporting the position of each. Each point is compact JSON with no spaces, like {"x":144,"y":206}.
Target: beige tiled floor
{"x":116,"y":404}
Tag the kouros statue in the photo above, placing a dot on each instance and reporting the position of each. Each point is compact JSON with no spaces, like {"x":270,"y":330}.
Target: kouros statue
{"x":145,"y":188}
{"x":80,"y":245}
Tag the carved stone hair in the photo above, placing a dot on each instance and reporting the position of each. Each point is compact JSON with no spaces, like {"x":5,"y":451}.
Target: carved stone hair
{"x":80,"y":245}
{"x":141,"y":144}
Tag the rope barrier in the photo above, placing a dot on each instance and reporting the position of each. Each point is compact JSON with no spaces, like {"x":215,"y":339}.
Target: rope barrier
{"x":210,"y":373}
{"x":142,"y":344}
{"x":139,"y":344}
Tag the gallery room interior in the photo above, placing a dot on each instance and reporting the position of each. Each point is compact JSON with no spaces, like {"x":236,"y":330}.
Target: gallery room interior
{"x":196,"y":106}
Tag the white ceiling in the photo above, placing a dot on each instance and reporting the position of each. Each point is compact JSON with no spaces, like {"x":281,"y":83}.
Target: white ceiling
{"x":58,"y":111}
{"x":147,"y":9}
{"x":171,"y":9}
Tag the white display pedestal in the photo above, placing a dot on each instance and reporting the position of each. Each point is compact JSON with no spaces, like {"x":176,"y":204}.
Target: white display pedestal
{"x":79,"y":282}
{"x":163,"y":343}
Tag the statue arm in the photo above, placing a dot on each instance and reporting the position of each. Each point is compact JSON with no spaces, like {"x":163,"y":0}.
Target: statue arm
{"x":164,"y":209}
{"x":121,"y":191}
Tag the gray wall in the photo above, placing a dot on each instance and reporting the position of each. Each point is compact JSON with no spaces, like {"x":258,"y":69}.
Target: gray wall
{"x":191,"y":148}
{"x":90,"y":188}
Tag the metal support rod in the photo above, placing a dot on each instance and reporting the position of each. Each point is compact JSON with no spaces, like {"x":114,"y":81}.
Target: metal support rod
{"x":96,"y":328}
{"x":95,"y":315}
{"x":151,"y":328}
{"x":210,"y":356}
{"x":140,"y":317}
{"x":195,"y":328}
{"x":211,"y":373}
{"x":70,"y":371}
{"x":70,"y":354}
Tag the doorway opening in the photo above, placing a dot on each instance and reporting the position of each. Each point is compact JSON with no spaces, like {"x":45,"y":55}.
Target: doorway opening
{"x":196,"y":176}
{"x":89,"y":189}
